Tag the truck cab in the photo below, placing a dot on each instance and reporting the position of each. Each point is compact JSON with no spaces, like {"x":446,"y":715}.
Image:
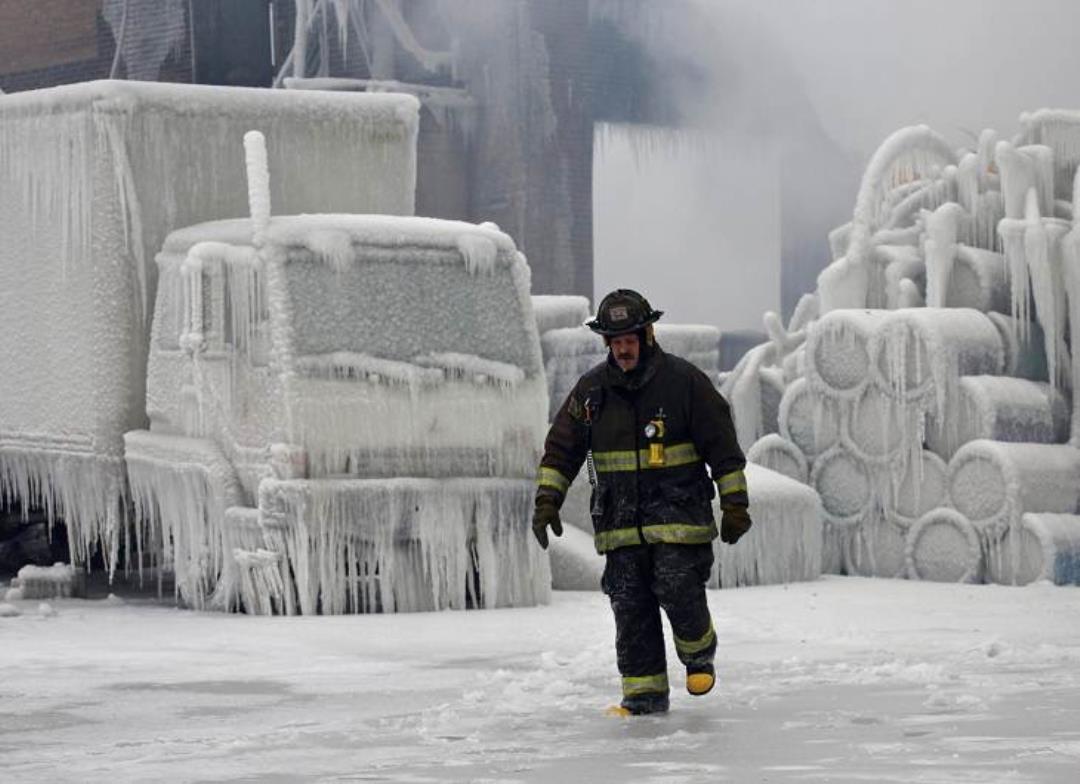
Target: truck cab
{"x":346,"y":413}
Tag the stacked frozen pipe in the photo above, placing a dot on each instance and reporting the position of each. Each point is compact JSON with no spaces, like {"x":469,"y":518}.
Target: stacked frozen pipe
{"x":907,"y":157}
{"x":994,"y":485}
{"x":877,"y":400}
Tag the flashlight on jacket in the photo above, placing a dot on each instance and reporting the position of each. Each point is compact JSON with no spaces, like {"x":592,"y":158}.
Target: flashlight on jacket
{"x":654,"y":433}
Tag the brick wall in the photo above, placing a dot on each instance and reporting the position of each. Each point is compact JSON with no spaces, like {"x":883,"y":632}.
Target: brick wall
{"x":44,"y":43}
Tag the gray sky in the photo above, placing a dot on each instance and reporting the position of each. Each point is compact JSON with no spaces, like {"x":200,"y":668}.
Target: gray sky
{"x":686,"y":224}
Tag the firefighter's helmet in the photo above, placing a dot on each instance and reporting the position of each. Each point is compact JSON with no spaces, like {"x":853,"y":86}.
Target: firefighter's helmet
{"x":623,"y":311}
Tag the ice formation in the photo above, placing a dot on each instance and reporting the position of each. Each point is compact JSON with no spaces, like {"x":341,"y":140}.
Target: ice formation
{"x":784,"y":544}
{"x":60,"y":580}
{"x":92,"y":178}
{"x":945,"y":334}
{"x":402,"y":545}
{"x":944,"y":546}
{"x":774,"y":452}
{"x":1044,"y":546}
{"x":376,"y":453}
{"x":575,"y":564}
{"x":559,"y":311}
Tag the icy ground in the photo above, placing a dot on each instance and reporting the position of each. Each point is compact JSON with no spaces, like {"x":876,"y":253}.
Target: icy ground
{"x":841,"y":680}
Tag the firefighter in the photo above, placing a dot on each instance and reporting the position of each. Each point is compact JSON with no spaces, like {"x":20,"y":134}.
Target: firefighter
{"x":649,"y":423}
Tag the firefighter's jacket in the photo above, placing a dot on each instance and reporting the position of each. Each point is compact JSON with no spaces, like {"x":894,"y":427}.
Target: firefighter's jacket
{"x":652,"y":433}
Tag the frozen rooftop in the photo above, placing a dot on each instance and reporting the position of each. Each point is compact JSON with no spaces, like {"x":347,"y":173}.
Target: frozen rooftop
{"x":372,"y":230}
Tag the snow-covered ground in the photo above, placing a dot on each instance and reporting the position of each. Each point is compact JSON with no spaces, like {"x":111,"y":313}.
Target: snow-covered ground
{"x":842,"y":679}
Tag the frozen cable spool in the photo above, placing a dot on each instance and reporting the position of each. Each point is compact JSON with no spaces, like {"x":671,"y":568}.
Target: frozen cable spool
{"x":978,"y":281}
{"x":557,"y":311}
{"x":943,"y":546}
{"x":924,"y":486}
{"x":877,"y":547}
{"x":1024,"y":356}
{"x":258,"y":180}
{"x":845,"y":486}
{"x":1011,"y":409}
{"x":1045,"y":546}
{"x":808,"y":420}
{"x":879,"y":428}
{"x":838,"y":357}
{"x":778,"y":454}
{"x":922,"y":352}
{"x":992,"y":483}
{"x":784,"y":544}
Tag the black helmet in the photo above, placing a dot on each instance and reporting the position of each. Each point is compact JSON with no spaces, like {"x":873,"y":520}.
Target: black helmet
{"x":622,"y":311}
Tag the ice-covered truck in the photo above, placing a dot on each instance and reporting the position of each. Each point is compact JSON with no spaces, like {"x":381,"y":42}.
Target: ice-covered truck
{"x":339,"y":412}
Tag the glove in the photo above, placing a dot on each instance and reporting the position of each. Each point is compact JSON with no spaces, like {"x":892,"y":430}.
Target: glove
{"x":546,"y":514}
{"x":734,"y":523}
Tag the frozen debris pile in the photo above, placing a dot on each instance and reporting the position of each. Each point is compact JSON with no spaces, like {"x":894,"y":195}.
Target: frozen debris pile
{"x":784,"y":544}
{"x":928,"y":383}
{"x":59,"y":581}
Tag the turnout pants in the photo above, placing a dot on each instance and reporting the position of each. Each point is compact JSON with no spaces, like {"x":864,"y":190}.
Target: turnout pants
{"x":641,"y":579}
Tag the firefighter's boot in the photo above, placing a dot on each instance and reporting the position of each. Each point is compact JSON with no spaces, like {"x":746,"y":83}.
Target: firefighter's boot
{"x":641,"y":705}
{"x":700,"y":680}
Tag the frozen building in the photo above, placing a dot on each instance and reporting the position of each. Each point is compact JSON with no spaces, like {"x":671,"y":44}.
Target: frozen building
{"x":926,"y":389}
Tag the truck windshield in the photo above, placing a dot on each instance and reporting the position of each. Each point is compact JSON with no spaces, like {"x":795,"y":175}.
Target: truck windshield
{"x":406,"y":303}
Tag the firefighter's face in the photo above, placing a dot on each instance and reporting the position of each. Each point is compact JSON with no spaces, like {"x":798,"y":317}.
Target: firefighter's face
{"x":626,"y":349}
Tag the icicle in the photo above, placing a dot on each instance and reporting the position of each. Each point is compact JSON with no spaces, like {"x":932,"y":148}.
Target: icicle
{"x":1071,"y":275}
{"x":180,"y":489}
{"x":1042,"y":250}
{"x":1042,"y":173}
{"x":406,"y":545}
{"x":785,"y":544}
{"x":479,"y":253}
{"x":943,"y":229}
{"x":86,"y":491}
